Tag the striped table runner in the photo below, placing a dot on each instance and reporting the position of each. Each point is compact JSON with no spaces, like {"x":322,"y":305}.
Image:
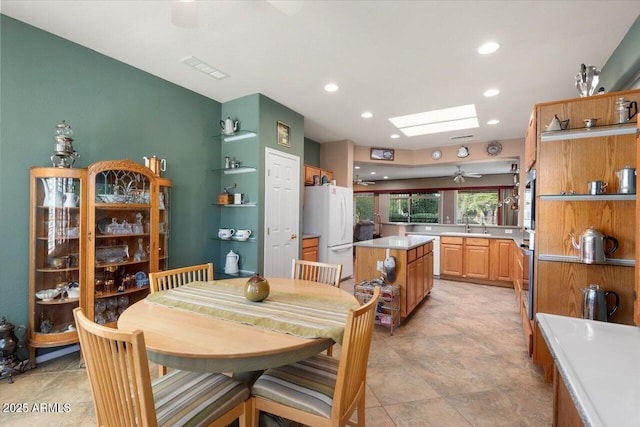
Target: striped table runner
{"x":282,"y":312}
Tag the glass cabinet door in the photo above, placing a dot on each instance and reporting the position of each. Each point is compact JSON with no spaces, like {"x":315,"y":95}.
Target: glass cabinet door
{"x":121,"y":237}
{"x":56,"y":278}
{"x":164,"y":209}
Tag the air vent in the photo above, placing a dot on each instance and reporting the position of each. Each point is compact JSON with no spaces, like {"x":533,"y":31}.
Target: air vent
{"x":461,"y":137}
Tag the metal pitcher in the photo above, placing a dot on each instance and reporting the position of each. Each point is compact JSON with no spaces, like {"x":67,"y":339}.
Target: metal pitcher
{"x":594,"y":303}
{"x":627,"y":178}
{"x":591,"y":246}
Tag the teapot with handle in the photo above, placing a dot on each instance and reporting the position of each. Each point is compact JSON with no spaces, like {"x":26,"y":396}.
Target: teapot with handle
{"x":229,"y":127}
{"x":594,"y":303}
{"x":591,"y":246}
{"x":231,"y":265}
{"x":626,"y":110}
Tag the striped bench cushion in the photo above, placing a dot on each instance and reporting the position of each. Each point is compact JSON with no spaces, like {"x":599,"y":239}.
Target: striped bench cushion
{"x":307,"y":385}
{"x":184,"y":398}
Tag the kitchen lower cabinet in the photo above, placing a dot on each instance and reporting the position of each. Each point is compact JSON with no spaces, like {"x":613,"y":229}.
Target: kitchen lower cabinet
{"x":414,"y":267}
{"x":476,"y":258}
{"x":500,"y":268}
{"x":310,"y":249}
{"x":451,"y":256}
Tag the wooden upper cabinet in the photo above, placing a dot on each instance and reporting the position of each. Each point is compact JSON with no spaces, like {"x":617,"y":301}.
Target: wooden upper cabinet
{"x":636,"y":303}
{"x":311,"y":171}
{"x":531,"y":142}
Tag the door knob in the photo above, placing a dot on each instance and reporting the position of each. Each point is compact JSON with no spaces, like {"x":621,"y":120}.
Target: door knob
{"x":294,"y":236}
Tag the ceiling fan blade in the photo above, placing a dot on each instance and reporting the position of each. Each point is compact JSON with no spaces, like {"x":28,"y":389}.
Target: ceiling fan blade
{"x":473,"y":175}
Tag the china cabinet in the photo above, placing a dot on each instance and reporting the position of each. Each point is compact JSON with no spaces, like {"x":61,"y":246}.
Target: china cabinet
{"x":127,"y":238}
{"x":566,"y":161}
{"x":57,"y":255}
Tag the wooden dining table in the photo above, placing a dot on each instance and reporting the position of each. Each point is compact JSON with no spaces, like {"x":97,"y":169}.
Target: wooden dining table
{"x":196,"y":341}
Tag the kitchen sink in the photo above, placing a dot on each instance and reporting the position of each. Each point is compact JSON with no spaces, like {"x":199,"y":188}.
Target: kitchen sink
{"x":463,"y":234}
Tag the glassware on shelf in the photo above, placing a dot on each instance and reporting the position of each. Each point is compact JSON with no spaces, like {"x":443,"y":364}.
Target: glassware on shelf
{"x":140,"y":254}
{"x":100,"y":306}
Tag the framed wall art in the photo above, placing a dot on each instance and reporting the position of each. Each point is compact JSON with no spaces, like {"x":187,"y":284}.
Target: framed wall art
{"x":284,"y":134}
{"x":382,"y":154}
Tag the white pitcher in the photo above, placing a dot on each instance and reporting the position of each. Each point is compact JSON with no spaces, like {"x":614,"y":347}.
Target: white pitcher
{"x":231,"y":265}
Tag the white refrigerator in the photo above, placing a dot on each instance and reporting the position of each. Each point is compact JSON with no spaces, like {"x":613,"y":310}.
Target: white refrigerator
{"x":328,"y":212}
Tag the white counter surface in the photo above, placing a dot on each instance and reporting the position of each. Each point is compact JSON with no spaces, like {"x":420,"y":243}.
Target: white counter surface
{"x":600,"y":365}
{"x":395,"y":242}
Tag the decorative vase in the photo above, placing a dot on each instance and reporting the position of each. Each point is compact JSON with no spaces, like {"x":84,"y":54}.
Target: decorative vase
{"x":256,"y":288}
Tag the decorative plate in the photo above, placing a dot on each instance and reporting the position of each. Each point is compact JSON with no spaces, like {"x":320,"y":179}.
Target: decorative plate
{"x":494,"y":148}
{"x":436,"y":154}
{"x":463,"y":152}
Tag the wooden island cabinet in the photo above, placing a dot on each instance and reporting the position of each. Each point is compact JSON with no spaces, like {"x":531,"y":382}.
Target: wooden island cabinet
{"x":414,"y":266}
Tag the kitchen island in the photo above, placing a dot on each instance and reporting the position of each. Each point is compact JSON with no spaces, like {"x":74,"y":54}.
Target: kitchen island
{"x":596,"y":378}
{"x":414,"y":266}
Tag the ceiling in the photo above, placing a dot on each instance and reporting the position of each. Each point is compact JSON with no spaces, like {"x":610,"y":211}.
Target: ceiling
{"x":388,"y":57}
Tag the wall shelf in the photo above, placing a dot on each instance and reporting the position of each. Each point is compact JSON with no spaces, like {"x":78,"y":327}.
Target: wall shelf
{"x":594,"y":132}
{"x":243,"y":205}
{"x":242,"y":273}
{"x":249,"y":240}
{"x":587,"y":197}
{"x":574,"y":259}
{"x":237,"y":136}
{"x":233,"y":171}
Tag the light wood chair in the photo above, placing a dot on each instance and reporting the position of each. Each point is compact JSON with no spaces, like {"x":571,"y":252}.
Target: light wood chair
{"x":316,"y":271}
{"x":322,"y":391}
{"x":123,"y":394}
{"x":169,"y":279}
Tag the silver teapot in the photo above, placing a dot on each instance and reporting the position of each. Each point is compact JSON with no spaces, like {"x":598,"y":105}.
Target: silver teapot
{"x":229,"y":127}
{"x":625,"y":110}
{"x":594,"y":303}
{"x":591,"y":246}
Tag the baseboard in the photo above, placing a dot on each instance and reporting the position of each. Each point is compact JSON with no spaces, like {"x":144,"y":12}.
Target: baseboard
{"x":58,"y":353}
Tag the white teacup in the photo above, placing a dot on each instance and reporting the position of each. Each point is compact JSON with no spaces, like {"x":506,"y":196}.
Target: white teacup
{"x":242,"y":234}
{"x":226,"y":233}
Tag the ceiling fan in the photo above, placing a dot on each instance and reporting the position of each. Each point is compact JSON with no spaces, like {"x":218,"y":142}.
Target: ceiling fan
{"x":359,"y":181}
{"x":460,"y":175}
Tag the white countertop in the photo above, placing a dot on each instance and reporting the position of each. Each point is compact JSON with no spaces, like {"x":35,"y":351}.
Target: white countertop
{"x":600,"y":365}
{"x":395,"y":242}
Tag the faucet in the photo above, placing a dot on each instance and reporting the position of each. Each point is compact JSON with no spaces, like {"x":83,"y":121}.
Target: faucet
{"x":467,"y":227}
{"x":484,"y":226}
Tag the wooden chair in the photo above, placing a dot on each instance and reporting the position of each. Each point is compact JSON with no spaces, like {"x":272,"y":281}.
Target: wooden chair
{"x":169,"y":279}
{"x":123,"y":394}
{"x":322,"y":391}
{"x":316,"y":271}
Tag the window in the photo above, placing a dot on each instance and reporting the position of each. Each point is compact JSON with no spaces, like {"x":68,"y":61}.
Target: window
{"x":414,"y":207}
{"x":477,"y":206}
{"x":363,"y":206}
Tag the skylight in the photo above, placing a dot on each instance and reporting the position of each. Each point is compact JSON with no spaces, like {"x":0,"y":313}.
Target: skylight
{"x":443,"y":120}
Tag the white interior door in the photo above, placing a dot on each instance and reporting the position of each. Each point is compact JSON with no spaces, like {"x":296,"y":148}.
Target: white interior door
{"x":281,"y":212}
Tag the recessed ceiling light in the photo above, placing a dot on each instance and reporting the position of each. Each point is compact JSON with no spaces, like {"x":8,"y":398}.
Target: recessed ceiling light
{"x":491,"y":92}
{"x":367,"y":115}
{"x":373,"y":173}
{"x":488,"y":47}
{"x":331,"y":87}
{"x":385,"y":177}
{"x":493,"y":122}
{"x":395,"y":136}
{"x":356,"y":167}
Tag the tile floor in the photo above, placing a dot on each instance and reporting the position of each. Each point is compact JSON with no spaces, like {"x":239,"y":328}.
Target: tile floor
{"x":458,"y":361}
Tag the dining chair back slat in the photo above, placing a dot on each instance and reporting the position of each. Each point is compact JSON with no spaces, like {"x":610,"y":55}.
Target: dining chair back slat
{"x":316,"y":271}
{"x":169,"y":279}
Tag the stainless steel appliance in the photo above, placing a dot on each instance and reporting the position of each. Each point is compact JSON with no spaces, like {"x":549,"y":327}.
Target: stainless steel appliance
{"x":529,"y":205}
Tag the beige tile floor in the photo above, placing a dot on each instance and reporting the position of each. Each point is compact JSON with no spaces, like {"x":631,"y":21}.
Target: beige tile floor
{"x":459,"y":360}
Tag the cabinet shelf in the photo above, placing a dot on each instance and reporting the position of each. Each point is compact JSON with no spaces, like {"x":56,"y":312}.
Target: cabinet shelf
{"x":118,"y":264}
{"x":574,"y":259}
{"x":594,"y":132}
{"x":587,"y":197}
{"x":58,"y":301}
{"x":122,"y":206}
{"x":72,"y":208}
{"x":236,"y":136}
{"x":113,"y":236}
{"x":126,"y":291}
{"x":233,"y":171}
{"x":56,"y":270}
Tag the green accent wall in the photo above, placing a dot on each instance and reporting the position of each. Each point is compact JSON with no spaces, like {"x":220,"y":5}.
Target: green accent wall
{"x":311,"y":153}
{"x":116,"y":111}
{"x":624,"y":64}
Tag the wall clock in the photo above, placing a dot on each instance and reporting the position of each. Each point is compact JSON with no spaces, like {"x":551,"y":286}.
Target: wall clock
{"x":436,"y":154}
{"x":494,"y":148}
{"x":463,"y":152}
